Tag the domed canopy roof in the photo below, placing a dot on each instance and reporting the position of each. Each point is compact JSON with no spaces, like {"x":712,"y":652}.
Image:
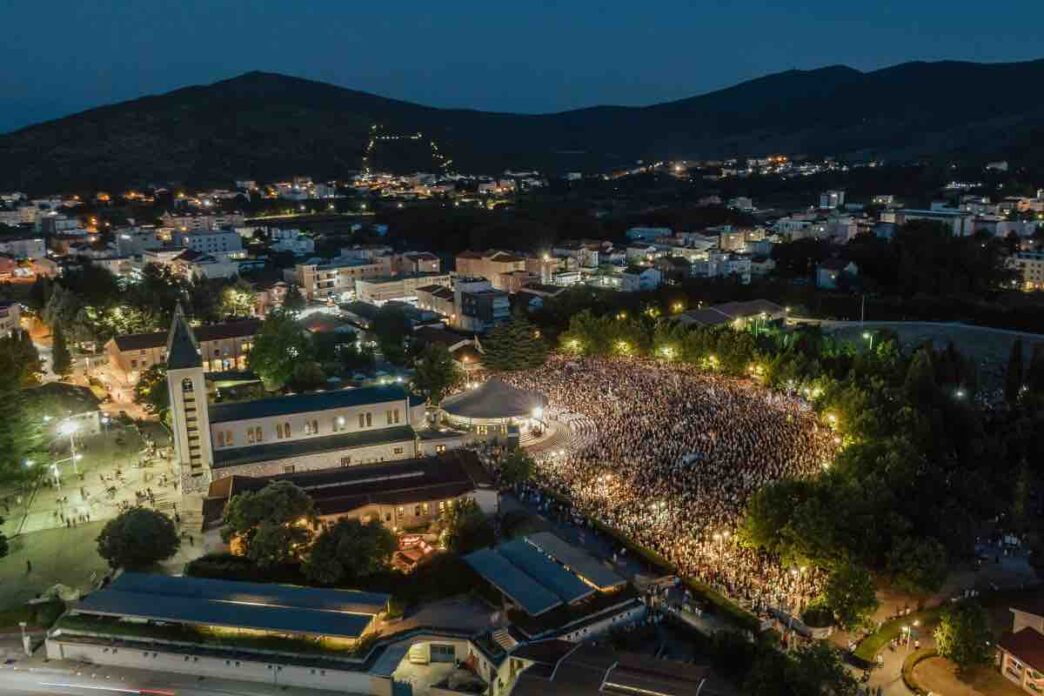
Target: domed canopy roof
{"x":494,"y":399}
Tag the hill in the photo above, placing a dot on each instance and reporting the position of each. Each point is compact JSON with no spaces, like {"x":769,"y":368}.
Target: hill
{"x":264,"y":126}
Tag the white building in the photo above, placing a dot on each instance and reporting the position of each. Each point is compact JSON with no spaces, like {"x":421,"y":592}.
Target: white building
{"x":215,"y":242}
{"x":285,"y":434}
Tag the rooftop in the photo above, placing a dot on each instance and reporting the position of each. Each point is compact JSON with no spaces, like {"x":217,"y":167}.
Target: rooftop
{"x":271,"y":451}
{"x":1027,"y":645}
{"x":211,"y":332}
{"x":305,"y":403}
{"x":260,"y":606}
{"x":494,"y":398}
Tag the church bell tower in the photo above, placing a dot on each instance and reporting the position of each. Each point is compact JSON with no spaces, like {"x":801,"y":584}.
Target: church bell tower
{"x":190,"y":419}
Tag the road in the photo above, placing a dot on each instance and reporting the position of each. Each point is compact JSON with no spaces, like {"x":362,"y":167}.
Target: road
{"x":92,"y":680}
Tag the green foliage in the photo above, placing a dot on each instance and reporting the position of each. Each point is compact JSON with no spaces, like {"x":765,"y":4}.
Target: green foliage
{"x":307,"y":376}
{"x":349,"y":550}
{"x":391,"y":329}
{"x":436,"y":373}
{"x":280,"y":346}
{"x":61,"y":360}
{"x":849,"y":593}
{"x":273,"y":525}
{"x":151,"y":391}
{"x":137,"y":538}
{"x":465,"y":527}
{"x":4,"y":547}
{"x":963,"y":634}
{"x":21,"y":433}
{"x":918,"y":564}
{"x":813,"y":670}
{"x":294,"y":300}
{"x":516,"y":467}
{"x":516,"y":345}
{"x":237,"y":300}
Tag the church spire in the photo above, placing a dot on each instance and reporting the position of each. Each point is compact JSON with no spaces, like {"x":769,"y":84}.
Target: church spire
{"x":182,"y":349}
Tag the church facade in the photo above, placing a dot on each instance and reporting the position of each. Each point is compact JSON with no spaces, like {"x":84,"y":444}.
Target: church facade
{"x":287,"y":434}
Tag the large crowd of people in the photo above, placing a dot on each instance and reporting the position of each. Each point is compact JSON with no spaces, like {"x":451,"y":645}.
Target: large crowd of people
{"x":676,"y":456}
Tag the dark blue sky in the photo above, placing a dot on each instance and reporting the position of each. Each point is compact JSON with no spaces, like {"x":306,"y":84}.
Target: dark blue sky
{"x":59,"y":56}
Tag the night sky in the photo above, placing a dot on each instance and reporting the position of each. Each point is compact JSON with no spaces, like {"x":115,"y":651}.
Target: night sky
{"x":58,"y":57}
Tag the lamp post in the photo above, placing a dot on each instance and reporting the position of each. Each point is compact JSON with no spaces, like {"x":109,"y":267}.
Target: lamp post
{"x":69,"y":428}
{"x":868,"y":336}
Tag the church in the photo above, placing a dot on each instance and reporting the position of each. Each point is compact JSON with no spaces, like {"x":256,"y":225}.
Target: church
{"x":287,"y":433}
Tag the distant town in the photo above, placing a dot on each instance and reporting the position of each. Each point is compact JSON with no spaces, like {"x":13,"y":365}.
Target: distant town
{"x":440,"y":433}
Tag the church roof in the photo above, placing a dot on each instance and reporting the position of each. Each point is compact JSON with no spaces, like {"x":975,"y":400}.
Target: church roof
{"x":305,"y":403}
{"x":182,"y":349}
{"x":494,"y":399}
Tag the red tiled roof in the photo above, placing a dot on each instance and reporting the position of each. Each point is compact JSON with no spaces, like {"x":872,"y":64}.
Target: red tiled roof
{"x":1027,"y":645}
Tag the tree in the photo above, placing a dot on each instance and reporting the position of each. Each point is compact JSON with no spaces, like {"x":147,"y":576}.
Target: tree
{"x":850,"y":594}
{"x":391,"y":329}
{"x":813,"y":670}
{"x":151,"y":391}
{"x":61,"y":360}
{"x":963,"y":634}
{"x":308,"y":376}
{"x":516,"y":467}
{"x":465,"y":527}
{"x":294,"y":300}
{"x":137,"y":538}
{"x":918,"y":564}
{"x":517,"y":345}
{"x":349,"y":550}
{"x":435,"y":373}
{"x":1013,"y":373}
{"x":20,"y":430}
{"x":271,"y":526}
{"x":237,"y":300}
{"x":281,"y":345}
{"x":4,"y":547}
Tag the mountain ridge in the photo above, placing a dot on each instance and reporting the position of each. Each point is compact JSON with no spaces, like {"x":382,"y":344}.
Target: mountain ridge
{"x":265,"y":125}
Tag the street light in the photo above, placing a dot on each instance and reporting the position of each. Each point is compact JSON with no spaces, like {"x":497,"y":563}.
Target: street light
{"x":868,"y":336}
{"x":69,"y":428}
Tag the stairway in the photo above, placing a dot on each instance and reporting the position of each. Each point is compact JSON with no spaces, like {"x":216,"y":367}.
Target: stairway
{"x":504,"y":639}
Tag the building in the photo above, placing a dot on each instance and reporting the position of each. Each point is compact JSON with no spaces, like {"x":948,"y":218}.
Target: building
{"x":438,"y":299}
{"x":213,"y":242}
{"x":494,"y":411}
{"x":223,"y":348}
{"x":560,"y":668}
{"x":831,"y":199}
{"x":478,"y":306}
{"x":415,"y":262}
{"x":737,"y":314}
{"x":1030,"y":266}
{"x":24,"y":245}
{"x":1020,"y":653}
{"x":407,"y":494}
{"x":830,"y":271}
{"x":648,"y":234}
{"x":197,"y":265}
{"x":286,"y":434}
{"x":490,"y":265}
{"x":383,"y":289}
{"x":334,"y":279}
{"x":10,"y":317}
{"x":639,"y":278}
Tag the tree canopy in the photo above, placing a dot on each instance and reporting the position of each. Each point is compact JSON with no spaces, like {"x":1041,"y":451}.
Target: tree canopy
{"x":137,"y":538}
{"x":435,"y":373}
{"x":279,"y":347}
{"x":271,"y":526}
{"x":963,"y":634}
{"x":517,"y":345}
{"x":465,"y":527}
{"x":349,"y":550}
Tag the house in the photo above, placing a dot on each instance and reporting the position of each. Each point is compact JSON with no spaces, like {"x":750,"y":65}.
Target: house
{"x":828,"y":272}
{"x":638,"y":278}
{"x":224,"y":347}
{"x":491,"y":265}
{"x":675,"y":269}
{"x":737,"y":314}
{"x":199,"y":265}
{"x":1020,"y":653}
{"x":10,"y":317}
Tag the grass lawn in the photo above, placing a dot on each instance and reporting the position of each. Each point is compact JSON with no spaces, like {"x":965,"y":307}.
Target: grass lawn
{"x":66,"y":556}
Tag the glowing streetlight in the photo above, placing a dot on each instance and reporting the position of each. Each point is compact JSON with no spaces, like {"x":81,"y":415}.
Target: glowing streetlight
{"x":69,"y":428}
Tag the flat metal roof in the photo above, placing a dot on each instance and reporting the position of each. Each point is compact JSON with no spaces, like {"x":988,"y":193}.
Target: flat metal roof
{"x":577,"y":560}
{"x":551,"y":575}
{"x":533,"y":597}
{"x":305,"y":403}
{"x":260,"y":606}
